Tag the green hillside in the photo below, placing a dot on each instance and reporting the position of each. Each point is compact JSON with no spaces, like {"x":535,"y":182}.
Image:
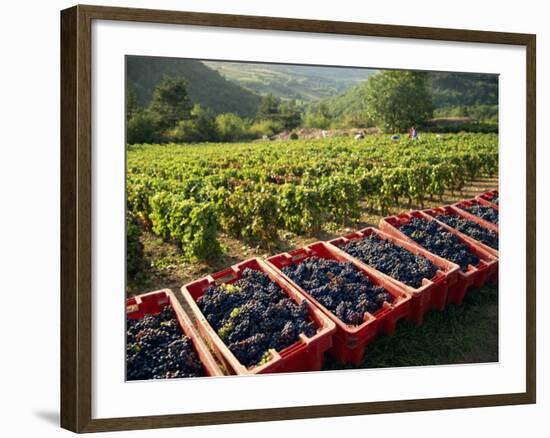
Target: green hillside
{"x":352,"y":101}
{"x":463,"y":89}
{"x":449,"y":91}
{"x":321,"y":97}
{"x":205,"y":86}
{"x":301,"y":82}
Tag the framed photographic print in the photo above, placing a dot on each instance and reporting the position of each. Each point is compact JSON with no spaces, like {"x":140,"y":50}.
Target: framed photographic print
{"x":259,"y":214}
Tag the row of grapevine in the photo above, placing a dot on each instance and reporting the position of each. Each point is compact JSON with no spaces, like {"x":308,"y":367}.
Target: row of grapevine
{"x":190,"y":193}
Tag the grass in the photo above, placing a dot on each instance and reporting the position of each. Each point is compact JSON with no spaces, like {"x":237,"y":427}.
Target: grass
{"x":460,"y":334}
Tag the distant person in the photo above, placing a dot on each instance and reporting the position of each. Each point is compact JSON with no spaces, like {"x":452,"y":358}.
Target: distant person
{"x":395,"y":137}
{"x":413,"y":134}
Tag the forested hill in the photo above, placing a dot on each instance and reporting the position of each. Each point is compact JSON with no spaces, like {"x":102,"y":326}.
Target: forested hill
{"x":461,"y":89}
{"x":204,"y":85}
{"x":448,"y":90}
{"x":302,"y":82}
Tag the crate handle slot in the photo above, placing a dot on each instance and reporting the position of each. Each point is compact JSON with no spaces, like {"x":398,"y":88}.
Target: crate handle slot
{"x":131,"y":308}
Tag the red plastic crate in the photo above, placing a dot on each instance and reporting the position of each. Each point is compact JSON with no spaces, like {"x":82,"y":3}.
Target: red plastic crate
{"x":153,"y":303}
{"x":449,"y":210}
{"x":307,"y":354}
{"x":432,"y":293}
{"x":349,"y":341}
{"x":470,"y":202}
{"x":488,"y":197}
{"x":475,"y":276}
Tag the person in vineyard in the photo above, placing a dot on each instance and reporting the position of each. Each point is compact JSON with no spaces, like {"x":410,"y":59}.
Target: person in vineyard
{"x":413,"y":134}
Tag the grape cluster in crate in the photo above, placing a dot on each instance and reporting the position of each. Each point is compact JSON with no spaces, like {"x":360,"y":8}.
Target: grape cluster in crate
{"x":284,"y":313}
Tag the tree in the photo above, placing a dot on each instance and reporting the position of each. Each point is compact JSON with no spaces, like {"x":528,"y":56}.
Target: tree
{"x":201,"y":126}
{"x":132,"y":104}
{"x":269,"y":109}
{"x":231,"y":127}
{"x":143,"y":127}
{"x":397,"y":100}
{"x":205,"y":124}
{"x":265,"y":127}
{"x":318,"y":117}
{"x":171,"y":102}
{"x":290,"y":115}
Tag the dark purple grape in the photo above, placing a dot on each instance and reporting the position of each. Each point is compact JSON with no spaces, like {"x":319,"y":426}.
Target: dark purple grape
{"x":254,"y":315}
{"x":340,"y":287}
{"x":391,"y":259}
{"x":156,"y":348}
{"x":470,"y":228}
{"x":483,"y":211}
{"x":437,"y":240}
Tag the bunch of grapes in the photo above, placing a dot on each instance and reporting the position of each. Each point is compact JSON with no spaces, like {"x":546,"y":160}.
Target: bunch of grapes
{"x":254,"y":315}
{"x":157,"y":349}
{"x":484,"y":212}
{"x":391,"y":259}
{"x":437,"y":240}
{"x":340,"y":287}
{"x":475,"y":231}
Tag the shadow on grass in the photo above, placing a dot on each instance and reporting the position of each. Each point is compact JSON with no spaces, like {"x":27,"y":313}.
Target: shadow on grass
{"x":460,"y":334}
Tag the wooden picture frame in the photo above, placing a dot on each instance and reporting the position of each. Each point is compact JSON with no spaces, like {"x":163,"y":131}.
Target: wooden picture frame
{"x":76,"y":217}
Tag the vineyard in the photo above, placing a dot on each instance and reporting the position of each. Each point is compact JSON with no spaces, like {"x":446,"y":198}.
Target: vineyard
{"x":191,"y":195}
